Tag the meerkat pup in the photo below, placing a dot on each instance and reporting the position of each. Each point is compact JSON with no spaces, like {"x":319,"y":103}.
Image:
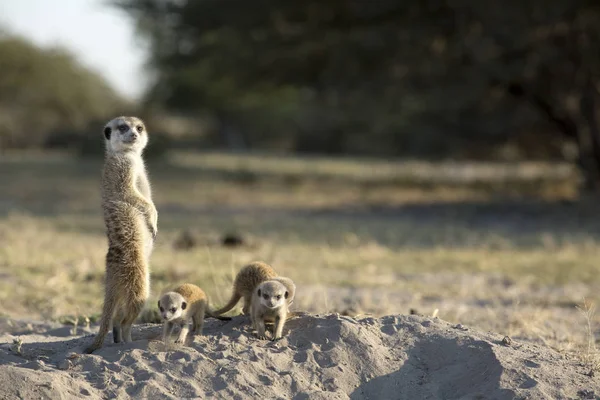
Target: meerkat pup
{"x":269,"y":304}
{"x":131,"y":226}
{"x":246,"y":282}
{"x":184,"y":304}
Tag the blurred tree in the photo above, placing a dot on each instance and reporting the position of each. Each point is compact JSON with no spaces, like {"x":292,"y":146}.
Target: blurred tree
{"x":391,"y":77}
{"x":47,"y":92}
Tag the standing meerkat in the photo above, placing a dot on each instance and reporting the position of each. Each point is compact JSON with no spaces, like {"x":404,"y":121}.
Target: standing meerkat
{"x":269,"y":304}
{"x":131,"y":226}
{"x":181,"y":305}
{"x":248,"y":279}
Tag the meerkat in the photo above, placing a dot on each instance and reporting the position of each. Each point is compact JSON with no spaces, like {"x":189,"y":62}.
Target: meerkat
{"x":131,"y":221}
{"x":181,"y":305}
{"x":248,"y":279}
{"x":269,"y":304}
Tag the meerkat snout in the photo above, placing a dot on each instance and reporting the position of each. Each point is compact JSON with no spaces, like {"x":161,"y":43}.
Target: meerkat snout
{"x":128,"y":135}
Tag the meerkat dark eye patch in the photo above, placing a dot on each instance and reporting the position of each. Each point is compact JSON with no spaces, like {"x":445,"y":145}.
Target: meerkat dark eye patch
{"x":173,"y":309}
{"x":123,"y":128}
{"x":107,"y":132}
{"x":183,"y":305}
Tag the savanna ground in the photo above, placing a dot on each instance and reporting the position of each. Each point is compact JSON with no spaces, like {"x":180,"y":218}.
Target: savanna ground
{"x":506,"y":248}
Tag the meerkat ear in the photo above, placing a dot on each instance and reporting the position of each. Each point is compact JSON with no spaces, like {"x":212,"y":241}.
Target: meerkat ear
{"x":183,"y":305}
{"x":286,"y":295}
{"x":258,"y":292}
{"x":159,"y":304}
{"x":107,"y":131}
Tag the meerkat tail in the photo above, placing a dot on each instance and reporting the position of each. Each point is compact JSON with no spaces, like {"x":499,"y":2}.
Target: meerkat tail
{"x":234,"y":300}
{"x":293,"y":314}
{"x":108,"y":313}
{"x":211,"y":313}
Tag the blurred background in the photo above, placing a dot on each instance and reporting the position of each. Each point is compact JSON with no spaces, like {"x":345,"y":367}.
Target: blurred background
{"x":434,"y":79}
{"x":437,"y":157}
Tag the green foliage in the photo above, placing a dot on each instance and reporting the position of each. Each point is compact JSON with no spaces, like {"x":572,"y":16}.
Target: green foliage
{"x":380,"y":77}
{"x":47,"y":90}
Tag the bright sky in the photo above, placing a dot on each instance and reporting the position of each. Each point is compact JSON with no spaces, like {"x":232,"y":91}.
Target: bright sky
{"x":101,"y":37}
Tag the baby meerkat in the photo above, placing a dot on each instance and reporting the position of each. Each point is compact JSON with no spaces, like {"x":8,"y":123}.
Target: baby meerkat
{"x":184,"y":303}
{"x":248,"y":279}
{"x":269,"y":304}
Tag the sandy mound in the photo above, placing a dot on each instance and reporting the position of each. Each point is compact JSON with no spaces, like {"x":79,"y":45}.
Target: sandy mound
{"x":322,"y":357}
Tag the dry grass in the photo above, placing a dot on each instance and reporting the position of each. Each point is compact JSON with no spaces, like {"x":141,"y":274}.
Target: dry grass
{"x":589,"y":352}
{"x":499,"y":247}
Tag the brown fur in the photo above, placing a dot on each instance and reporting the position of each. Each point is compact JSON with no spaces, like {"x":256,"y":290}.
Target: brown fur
{"x":248,"y":279}
{"x":131,"y":225}
{"x":195,"y":309}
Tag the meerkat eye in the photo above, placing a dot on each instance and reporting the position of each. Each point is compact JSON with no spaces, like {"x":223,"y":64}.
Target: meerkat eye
{"x":173,"y":309}
{"x":162,"y":309}
{"x":266,"y":296}
{"x":278,"y":297}
{"x":139,"y":128}
{"x":123,"y":128}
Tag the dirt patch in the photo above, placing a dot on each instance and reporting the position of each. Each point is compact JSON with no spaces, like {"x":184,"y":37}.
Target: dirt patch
{"x":329,"y":356}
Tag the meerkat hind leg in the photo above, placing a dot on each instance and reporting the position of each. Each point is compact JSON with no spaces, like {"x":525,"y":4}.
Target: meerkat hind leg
{"x":117,"y":332}
{"x":198,"y":322}
{"x":127,"y":332}
{"x":132,"y":313}
{"x":117,"y":328}
{"x":247,"y":305}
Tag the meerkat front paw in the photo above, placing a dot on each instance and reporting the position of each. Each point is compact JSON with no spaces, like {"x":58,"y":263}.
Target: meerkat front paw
{"x":154,"y":220}
{"x":152,"y":227}
{"x":153,"y":231}
{"x":151,"y":219}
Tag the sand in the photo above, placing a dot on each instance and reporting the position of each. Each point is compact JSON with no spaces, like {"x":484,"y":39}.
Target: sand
{"x":321,"y":357}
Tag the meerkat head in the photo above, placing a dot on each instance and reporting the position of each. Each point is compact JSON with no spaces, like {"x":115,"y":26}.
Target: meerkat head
{"x":171,"y":306}
{"x":124,"y":134}
{"x":272,"y":294}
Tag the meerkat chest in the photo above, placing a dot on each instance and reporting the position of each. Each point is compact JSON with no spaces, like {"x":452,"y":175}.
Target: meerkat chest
{"x":184,"y":319}
{"x":270,"y":314}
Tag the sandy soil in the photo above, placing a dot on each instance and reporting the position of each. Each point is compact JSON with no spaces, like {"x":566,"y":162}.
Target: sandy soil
{"x":321,"y":357}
